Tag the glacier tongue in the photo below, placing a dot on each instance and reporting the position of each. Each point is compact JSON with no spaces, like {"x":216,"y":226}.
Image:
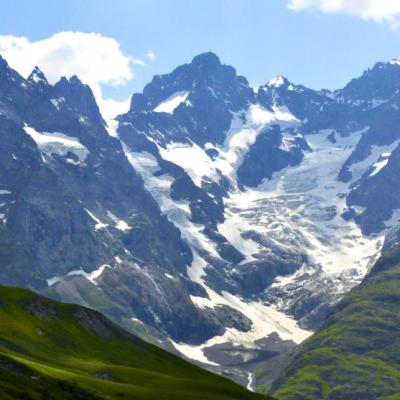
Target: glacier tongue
{"x":265,"y":319}
{"x":297,"y":212}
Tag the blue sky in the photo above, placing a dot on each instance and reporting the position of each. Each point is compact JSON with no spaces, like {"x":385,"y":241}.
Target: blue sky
{"x":312,"y":45}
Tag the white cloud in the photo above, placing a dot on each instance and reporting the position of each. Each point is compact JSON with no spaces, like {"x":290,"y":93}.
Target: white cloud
{"x":97,"y":60}
{"x":151,"y":55}
{"x":110,"y":108}
{"x":370,"y":10}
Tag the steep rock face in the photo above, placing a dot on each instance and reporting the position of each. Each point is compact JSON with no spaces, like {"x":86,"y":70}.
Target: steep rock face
{"x":375,"y":86}
{"x":270,"y":153}
{"x":383,"y":178}
{"x":317,"y":110}
{"x":202,"y":93}
{"x":72,"y":201}
{"x":376,"y":92}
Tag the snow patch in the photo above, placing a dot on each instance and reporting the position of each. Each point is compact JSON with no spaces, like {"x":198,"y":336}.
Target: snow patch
{"x":37,"y":78}
{"x":99,"y":224}
{"x":377,"y":159}
{"x":242,"y":135}
{"x":378,"y":166}
{"x":244,"y":129}
{"x":394,"y":221}
{"x":119,"y":223}
{"x":382,"y":162}
{"x":56,"y":102}
{"x":192,"y":158}
{"x":178,"y":212}
{"x":277,"y":81}
{"x":169,"y":105}
{"x":91,"y":276}
{"x":57,"y":143}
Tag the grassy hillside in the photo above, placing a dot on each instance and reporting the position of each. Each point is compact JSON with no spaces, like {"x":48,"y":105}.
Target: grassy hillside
{"x":357,"y":354}
{"x":51,"y":350}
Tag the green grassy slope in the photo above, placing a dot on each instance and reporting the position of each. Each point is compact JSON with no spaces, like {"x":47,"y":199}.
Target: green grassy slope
{"x":51,"y":350}
{"x":356,"y":356}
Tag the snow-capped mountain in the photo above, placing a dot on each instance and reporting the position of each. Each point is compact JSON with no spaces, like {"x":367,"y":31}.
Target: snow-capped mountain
{"x":221,"y":221}
{"x":283,"y":230}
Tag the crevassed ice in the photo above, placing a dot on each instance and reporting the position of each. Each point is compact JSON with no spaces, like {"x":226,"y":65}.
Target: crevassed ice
{"x":301,"y":207}
{"x":57,"y":143}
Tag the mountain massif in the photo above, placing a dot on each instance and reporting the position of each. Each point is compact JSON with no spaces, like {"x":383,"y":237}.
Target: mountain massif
{"x":220,"y":221}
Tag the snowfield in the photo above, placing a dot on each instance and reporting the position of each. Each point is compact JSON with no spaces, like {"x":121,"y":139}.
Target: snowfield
{"x":169,"y":105}
{"x":243,"y":132}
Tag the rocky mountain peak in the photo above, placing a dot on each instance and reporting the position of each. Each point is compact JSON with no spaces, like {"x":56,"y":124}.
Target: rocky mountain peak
{"x":278,"y":81}
{"x":375,"y":85}
{"x":204,"y":77}
{"x":208,"y":61}
{"x":78,"y":96}
{"x":8,"y":74}
{"x":72,"y":82}
{"x":38,"y":77}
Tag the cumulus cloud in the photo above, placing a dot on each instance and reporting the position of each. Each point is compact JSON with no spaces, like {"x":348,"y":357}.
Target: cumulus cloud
{"x":370,"y":10}
{"x":96,"y":59}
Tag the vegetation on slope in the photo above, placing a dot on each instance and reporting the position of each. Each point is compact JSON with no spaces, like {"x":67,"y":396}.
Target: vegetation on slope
{"x":50,"y":350}
{"x":357,"y":354}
